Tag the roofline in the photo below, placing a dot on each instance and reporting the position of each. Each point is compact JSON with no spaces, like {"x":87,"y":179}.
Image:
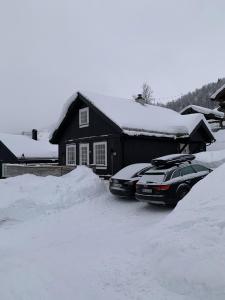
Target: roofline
{"x":202,"y":123}
{"x":79,"y":95}
{"x":217,"y":92}
{"x":215,"y":114}
{"x":13,"y":154}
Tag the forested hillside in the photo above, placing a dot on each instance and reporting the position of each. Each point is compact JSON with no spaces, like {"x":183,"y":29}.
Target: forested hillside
{"x":198,"y":97}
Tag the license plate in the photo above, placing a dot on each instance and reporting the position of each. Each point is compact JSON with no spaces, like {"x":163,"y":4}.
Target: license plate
{"x":147,"y":191}
{"x":117,"y":185}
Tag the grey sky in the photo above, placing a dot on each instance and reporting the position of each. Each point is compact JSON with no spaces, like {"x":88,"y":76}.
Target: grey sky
{"x":50,"y":48}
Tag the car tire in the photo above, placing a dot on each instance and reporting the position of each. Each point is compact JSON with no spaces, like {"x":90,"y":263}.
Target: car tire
{"x":182,"y":191}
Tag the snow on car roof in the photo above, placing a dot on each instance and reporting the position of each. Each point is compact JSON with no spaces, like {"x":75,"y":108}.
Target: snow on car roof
{"x":130,"y":170}
{"x":138,"y":119}
{"x":23,"y":145}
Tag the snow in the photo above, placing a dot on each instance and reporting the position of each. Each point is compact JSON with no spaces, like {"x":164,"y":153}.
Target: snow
{"x":204,"y":110}
{"x":187,"y":250}
{"x":130,"y":171}
{"x":22,"y":144}
{"x":136,"y":118}
{"x":215,"y":154}
{"x":69,"y":238}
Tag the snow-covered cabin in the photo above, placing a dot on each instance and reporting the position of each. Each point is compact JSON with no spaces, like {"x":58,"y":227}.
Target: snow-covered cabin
{"x":111,"y":133}
{"x":17,"y":148}
{"x":210,"y":114}
{"x":219,"y":96}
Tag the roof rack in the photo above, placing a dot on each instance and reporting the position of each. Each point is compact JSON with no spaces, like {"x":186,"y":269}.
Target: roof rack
{"x":171,"y":160}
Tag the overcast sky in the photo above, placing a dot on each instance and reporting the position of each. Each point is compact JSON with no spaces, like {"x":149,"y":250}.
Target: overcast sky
{"x":50,"y":48}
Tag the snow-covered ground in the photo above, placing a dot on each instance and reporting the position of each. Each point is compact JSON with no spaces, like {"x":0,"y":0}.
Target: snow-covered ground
{"x":69,"y":238}
{"x":215,"y":154}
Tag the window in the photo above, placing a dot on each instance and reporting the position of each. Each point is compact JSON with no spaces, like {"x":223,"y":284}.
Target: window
{"x":176,"y":173}
{"x":154,"y":177}
{"x":71,"y":155}
{"x":199,"y":168}
{"x":100,"y":154}
{"x":84,"y":117}
{"x":187,"y":170}
{"x":84,"y":154}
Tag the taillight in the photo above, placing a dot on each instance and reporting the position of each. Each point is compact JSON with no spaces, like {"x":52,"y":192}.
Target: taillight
{"x":162,"y":187}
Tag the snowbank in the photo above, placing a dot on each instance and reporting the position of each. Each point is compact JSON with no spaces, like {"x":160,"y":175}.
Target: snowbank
{"x":29,"y":196}
{"x":211,"y":159}
{"x":187,"y":250}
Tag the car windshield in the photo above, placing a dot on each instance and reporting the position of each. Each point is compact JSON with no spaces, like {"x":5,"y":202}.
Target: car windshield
{"x":153,"y":177}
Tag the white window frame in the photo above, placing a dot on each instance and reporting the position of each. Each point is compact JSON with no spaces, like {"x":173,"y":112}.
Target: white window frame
{"x":80,"y":158}
{"x":86,"y":109}
{"x":94,"y":155}
{"x":75,"y":150}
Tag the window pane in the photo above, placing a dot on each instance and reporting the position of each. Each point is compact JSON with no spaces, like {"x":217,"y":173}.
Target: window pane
{"x":176,"y":174}
{"x":100,"y":154}
{"x":187,"y":170}
{"x":84,"y":154}
{"x":71,"y":154}
{"x":199,"y":168}
{"x":84,"y":116}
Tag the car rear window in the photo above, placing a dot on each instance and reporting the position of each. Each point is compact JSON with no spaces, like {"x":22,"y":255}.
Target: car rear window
{"x":199,"y":168}
{"x":154,"y":177}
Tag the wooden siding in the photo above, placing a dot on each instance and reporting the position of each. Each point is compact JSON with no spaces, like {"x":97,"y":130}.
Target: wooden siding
{"x":141,"y":149}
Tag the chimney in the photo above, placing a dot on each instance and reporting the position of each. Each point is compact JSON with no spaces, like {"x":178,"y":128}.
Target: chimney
{"x":35,"y":134}
{"x":140,"y":99}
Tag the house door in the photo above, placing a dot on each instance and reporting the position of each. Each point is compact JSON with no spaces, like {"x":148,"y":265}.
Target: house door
{"x":84,"y":154}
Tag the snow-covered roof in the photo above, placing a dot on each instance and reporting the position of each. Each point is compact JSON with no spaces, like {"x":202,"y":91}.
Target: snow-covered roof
{"x":138,"y":119}
{"x":204,"y":110}
{"x":214,"y":95}
{"x":23,"y":145}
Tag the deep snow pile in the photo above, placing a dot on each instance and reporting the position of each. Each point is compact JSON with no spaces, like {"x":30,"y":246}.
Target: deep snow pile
{"x":79,"y":242}
{"x":27,"y":196}
{"x":76,"y":240}
{"x":187,"y":250}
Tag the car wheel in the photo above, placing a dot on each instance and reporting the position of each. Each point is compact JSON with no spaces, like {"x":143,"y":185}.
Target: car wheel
{"x":182,"y":192}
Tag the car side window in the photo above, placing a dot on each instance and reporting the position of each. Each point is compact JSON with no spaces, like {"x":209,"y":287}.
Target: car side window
{"x":176,"y":173}
{"x":187,"y":170}
{"x":199,"y":168}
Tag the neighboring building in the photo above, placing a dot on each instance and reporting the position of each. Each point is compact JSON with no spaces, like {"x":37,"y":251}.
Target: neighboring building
{"x":111,"y":133}
{"x":16,"y":148}
{"x":212,"y":115}
{"x":219,"y":97}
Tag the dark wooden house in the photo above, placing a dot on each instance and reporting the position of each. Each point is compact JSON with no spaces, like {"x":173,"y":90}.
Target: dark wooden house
{"x":111,"y":133}
{"x":16,"y":148}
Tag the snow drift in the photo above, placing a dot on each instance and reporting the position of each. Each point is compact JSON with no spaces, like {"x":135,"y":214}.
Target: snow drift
{"x":187,"y":250}
{"x":28,"y":195}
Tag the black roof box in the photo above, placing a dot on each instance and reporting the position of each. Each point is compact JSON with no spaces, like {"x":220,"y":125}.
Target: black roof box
{"x":172,"y":159}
